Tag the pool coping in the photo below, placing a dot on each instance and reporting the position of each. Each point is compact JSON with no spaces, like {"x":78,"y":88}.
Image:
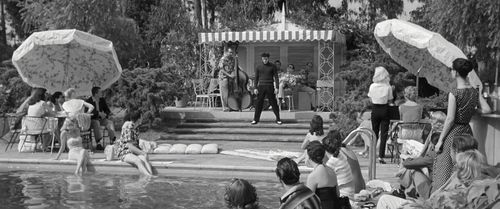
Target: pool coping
{"x":162,"y":168}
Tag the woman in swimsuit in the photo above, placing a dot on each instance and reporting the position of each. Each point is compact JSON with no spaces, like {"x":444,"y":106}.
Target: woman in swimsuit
{"x":323,"y":179}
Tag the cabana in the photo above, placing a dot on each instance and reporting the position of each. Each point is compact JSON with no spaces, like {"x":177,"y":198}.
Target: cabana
{"x":323,"y":48}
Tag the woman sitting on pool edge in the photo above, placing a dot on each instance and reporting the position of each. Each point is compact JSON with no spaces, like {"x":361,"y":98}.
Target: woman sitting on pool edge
{"x":71,"y":134}
{"x":128,"y":145}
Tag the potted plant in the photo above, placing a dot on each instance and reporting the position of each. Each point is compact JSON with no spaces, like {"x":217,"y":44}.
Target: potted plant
{"x":182,"y":93}
{"x":180,"y":102}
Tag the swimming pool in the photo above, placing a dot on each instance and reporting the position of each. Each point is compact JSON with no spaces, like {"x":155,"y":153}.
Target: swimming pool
{"x":60,"y":190}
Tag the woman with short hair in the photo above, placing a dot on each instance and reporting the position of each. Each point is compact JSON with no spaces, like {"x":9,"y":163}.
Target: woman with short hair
{"x":74,"y":108}
{"x":240,"y":194}
{"x":410,"y":110}
{"x":380,"y":94}
{"x":323,"y":179}
{"x":56,"y":100}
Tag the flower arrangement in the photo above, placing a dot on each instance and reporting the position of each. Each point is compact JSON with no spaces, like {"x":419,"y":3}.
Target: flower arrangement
{"x":290,"y":80}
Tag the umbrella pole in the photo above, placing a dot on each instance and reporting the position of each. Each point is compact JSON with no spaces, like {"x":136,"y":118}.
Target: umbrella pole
{"x":498,"y":64}
{"x":418,"y":74}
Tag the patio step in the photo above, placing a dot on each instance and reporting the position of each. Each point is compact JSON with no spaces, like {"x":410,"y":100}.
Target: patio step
{"x":232,"y":145}
{"x":226,"y":130}
{"x":246,"y":125}
{"x":258,"y":137}
{"x":234,"y":131}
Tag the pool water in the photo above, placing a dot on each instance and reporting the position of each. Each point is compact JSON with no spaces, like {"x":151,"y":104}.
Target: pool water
{"x":56,"y":190}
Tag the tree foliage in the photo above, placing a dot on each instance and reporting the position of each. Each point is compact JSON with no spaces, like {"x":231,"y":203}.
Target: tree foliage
{"x":158,"y":46}
{"x":13,"y":8}
{"x":102,"y":18}
{"x":148,"y":90}
{"x":468,"y":23}
{"x":14,"y":90}
{"x":175,"y":36}
{"x":242,"y":15}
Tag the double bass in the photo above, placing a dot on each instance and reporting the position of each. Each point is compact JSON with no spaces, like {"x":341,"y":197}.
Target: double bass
{"x":239,"y":97}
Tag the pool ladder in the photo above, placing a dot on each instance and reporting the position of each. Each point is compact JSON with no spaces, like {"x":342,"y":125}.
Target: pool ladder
{"x":372,"y":153}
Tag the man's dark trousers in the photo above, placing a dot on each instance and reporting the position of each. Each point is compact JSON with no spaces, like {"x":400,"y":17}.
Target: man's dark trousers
{"x":266,"y":91}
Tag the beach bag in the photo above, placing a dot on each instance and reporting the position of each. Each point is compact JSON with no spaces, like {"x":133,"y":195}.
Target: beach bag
{"x":111,"y":152}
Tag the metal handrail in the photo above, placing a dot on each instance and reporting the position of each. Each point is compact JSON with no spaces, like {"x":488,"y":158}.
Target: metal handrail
{"x":372,"y":155}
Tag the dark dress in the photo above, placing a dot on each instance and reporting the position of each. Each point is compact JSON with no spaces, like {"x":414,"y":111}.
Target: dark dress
{"x":329,"y":197}
{"x":466,"y":102}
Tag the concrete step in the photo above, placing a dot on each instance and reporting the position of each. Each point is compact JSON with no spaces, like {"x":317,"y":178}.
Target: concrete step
{"x":207,"y":138}
{"x":214,"y":115}
{"x":247,"y":125}
{"x":241,"y":131}
{"x":232,"y":145}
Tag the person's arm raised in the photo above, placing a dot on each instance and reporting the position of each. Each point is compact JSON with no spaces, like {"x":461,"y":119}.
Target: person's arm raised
{"x":89,"y":106}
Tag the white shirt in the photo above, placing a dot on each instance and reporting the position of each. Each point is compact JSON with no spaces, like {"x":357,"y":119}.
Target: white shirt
{"x":341,"y":167}
{"x":73,"y":106}
{"x":380,"y":93}
{"x":37,"y":110}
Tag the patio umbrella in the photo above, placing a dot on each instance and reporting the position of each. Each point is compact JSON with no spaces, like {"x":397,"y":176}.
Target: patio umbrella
{"x":62,"y":59}
{"x":422,"y":52}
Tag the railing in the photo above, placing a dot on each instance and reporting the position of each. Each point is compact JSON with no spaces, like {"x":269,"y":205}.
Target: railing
{"x":372,"y":155}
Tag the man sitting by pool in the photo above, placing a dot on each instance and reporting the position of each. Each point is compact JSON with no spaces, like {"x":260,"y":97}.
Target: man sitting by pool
{"x":100,"y":116}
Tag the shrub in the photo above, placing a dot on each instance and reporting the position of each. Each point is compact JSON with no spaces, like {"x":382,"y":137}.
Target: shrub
{"x":149,"y":90}
{"x":13,"y":90}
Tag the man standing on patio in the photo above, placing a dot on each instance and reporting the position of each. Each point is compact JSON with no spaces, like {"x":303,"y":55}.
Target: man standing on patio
{"x":266,"y":82}
{"x":100,"y":116}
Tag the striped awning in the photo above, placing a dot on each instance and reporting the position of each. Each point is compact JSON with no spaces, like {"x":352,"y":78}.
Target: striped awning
{"x":272,"y":36}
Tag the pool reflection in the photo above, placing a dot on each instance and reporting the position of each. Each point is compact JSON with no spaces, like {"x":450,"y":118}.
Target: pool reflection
{"x":55,"y":190}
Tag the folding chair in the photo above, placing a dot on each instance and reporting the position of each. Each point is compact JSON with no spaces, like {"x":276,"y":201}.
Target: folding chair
{"x":52,"y":126}
{"x":214,"y":92}
{"x":15,"y":129}
{"x":200,"y":92}
{"x":33,"y":126}
{"x":419,"y":131}
{"x":84,"y":121}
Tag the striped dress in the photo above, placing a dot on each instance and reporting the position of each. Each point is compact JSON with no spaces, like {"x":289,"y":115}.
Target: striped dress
{"x":466,"y":102}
